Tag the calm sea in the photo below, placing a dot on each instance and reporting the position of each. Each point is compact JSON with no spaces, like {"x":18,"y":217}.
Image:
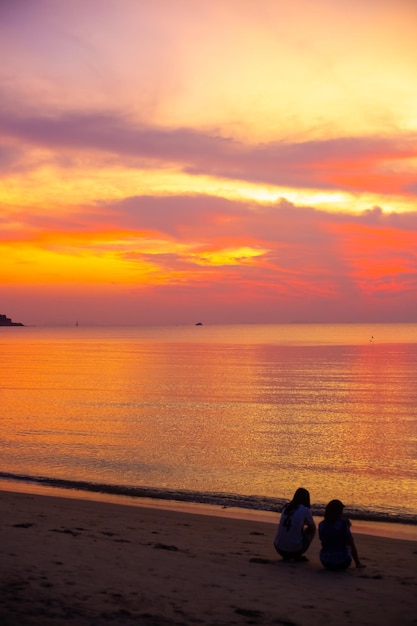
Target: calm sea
{"x":234,"y":415}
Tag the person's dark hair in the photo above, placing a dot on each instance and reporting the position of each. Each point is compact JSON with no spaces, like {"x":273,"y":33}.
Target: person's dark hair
{"x":301,"y":496}
{"x":333,"y":510}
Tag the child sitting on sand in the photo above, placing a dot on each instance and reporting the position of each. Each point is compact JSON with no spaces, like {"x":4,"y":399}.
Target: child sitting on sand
{"x":296,"y":528}
{"x":338,"y":547}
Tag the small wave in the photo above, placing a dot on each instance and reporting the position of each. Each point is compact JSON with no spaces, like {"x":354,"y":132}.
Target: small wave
{"x":224,"y":500}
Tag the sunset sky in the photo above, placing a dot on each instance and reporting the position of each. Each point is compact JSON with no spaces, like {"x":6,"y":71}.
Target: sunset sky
{"x":174,"y":161}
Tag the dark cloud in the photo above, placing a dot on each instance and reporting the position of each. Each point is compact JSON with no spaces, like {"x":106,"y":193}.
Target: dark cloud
{"x":334,"y":263}
{"x":376,"y":216}
{"x":204,"y":219}
{"x":213,"y":217}
{"x":10,"y":159}
{"x":412,"y":187}
{"x":350,"y":163}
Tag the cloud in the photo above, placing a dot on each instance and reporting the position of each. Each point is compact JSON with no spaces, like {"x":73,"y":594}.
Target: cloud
{"x":129,"y":134}
{"x":11,"y":157}
{"x":298,"y":258}
{"x":365,"y":164}
{"x":205,"y":219}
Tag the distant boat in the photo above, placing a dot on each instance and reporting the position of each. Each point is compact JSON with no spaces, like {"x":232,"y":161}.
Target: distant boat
{"x":199,"y":323}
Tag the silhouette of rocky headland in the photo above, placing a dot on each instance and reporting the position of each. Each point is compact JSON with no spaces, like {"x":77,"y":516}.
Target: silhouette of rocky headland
{"x":6,"y":321}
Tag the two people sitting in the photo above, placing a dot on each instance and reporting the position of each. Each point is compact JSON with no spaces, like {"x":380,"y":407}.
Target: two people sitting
{"x":297,"y":528}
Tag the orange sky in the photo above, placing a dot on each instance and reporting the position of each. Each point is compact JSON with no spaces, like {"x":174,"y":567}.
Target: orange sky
{"x":220,"y":160}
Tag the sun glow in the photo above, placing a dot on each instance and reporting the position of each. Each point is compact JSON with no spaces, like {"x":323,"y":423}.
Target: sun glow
{"x":260,"y":155}
{"x":49,"y":189}
{"x":236,"y":256}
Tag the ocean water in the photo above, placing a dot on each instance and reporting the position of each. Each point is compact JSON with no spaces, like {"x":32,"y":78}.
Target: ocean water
{"x":233,"y":415}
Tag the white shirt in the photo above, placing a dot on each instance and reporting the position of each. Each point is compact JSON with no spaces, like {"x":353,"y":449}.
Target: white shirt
{"x":290,"y":530}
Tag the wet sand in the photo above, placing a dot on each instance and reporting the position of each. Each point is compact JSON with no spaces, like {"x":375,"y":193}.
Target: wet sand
{"x":84,"y":562}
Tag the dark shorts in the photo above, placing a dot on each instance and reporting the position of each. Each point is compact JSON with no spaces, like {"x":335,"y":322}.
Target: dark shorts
{"x":332,"y":562}
{"x":293,"y":555}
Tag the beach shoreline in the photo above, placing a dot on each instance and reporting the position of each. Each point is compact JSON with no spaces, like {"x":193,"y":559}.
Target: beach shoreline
{"x":89,"y":561}
{"x":393,"y":530}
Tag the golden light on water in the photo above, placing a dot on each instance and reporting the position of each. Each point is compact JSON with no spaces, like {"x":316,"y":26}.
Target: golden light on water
{"x":215,"y":410}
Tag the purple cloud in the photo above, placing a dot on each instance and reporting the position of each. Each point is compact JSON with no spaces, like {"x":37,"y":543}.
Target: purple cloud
{"x":351,"y":163}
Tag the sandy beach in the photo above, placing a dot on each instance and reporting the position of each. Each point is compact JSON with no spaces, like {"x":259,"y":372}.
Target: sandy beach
{"x":81,"y":562}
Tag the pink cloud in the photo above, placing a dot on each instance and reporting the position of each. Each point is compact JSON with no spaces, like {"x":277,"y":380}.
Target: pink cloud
{"x":367,"y":164}
{"x":312,"y":265}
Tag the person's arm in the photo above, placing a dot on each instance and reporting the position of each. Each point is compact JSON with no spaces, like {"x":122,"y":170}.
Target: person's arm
{"x":310,"y":525}
{"x":354,"y":551}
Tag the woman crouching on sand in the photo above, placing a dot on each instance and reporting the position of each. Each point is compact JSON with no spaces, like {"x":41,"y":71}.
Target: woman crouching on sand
{"x":338,"y":547}
{"x":296,"y":528}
